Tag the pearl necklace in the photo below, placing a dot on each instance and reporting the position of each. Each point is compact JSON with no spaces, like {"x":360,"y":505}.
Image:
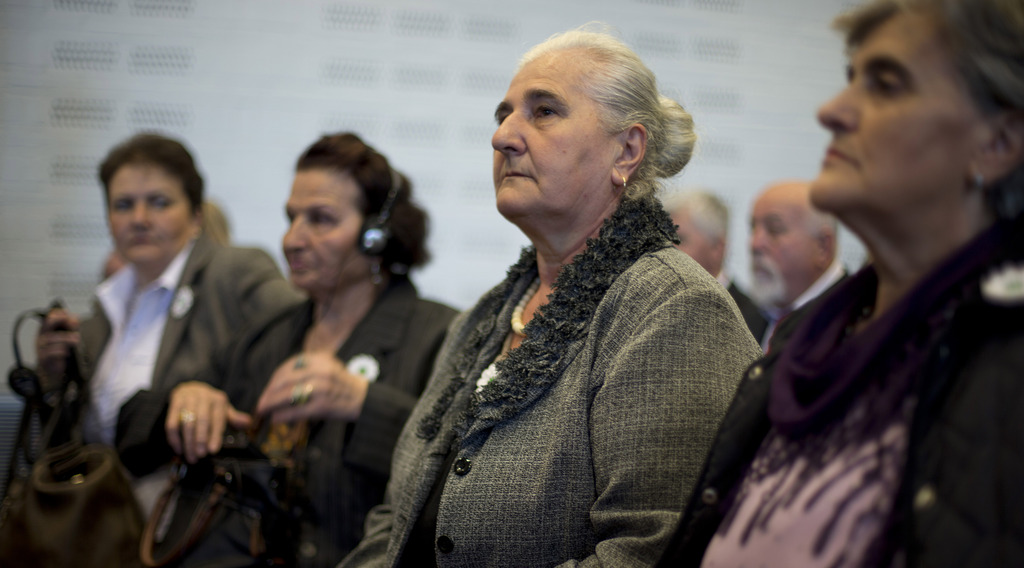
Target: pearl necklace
{"x":517,"y":313}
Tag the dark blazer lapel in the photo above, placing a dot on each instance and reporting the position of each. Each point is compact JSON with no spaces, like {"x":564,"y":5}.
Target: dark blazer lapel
{"x":95,"y":333}
{"x":382,"y":329}
{"x":175,"y":327}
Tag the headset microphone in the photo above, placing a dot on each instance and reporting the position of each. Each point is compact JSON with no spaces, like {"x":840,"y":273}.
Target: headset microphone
{"x":373,"y":239}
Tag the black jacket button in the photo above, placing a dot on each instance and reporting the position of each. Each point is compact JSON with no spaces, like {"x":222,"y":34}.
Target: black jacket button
{"x":445,"y":544}
{"x":462,"y":466}
{"x":709,"y":496}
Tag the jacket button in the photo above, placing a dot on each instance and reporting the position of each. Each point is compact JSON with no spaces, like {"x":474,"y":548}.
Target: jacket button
{"x":924,"y":498}
{"x":307,"y":549}
{"x":462,"y":466}
{"x":709,"y":496}
{"x":755,"y":372}
{"x":445,"y":544}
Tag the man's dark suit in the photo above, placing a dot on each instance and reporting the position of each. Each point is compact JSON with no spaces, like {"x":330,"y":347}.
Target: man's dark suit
{"x":756,"y":322}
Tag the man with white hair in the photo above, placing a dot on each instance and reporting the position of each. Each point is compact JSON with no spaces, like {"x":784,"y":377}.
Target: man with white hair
{"x":792,"y":251}
{"x":702,"y":221}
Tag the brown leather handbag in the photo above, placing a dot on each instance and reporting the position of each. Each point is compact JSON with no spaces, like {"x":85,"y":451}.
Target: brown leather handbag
{"x":75,"y":507}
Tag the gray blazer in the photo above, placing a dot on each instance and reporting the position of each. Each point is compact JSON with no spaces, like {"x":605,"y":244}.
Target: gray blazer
{"x":585,"y":447}
{"x":231,"y":286}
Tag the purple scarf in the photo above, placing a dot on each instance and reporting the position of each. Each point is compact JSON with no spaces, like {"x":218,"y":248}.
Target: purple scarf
{"x":823,"y":368}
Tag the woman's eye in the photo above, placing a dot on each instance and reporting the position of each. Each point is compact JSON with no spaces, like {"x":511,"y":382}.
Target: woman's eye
{"x":160,"y":202}
{"x":121,"y":205}
{"x":883,"y":85}
{"x":318,"y":218}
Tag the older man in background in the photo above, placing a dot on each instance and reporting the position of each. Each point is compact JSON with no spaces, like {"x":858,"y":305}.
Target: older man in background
{"x":792,"y":252}
{"x":702,"y":222}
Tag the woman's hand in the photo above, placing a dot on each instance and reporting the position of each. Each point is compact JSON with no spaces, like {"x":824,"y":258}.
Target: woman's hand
{"x":313,"y":385}
{"x":197,"y":416}
{"x":57,"y":335}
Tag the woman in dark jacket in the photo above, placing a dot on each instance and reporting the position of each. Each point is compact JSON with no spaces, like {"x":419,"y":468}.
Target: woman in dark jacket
{"x":347,"y":365}
{"x":888,"y":430}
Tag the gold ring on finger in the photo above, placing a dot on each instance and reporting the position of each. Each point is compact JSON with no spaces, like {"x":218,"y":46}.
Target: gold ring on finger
{"x":186,"y":416}
{"x":301,"y":394}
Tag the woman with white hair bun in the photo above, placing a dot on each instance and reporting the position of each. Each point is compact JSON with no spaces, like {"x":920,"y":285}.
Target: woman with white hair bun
{"x":569,"y":409}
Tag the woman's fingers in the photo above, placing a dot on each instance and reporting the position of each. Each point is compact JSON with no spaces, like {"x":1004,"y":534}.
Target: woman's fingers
{"x":57,"y":334}
{"x":313,"y":385}
{"x":279,"y":390}
{"x":197,"y":416}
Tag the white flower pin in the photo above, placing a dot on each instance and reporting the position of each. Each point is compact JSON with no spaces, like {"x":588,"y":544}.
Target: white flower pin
{"x":365,"y":366}
{"x":486,"y":377}
{"x":1005,"y":285}
{"x":182,"y":302}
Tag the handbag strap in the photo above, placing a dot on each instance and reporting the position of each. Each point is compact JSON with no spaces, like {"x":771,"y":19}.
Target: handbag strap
{"x":197,"y":525}
{"x":49,"y":419}
{"x":282,"y":444}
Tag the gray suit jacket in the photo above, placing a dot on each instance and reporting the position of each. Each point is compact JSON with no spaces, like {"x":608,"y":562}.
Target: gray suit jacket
{"x":584,"y":448}
{"x":231,"y":286}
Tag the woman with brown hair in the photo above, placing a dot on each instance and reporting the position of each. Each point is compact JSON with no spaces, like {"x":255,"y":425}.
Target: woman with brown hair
{"x":347,"y":365}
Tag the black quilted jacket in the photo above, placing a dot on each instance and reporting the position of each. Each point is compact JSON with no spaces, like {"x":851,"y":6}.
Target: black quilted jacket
{"x":961,"y":503}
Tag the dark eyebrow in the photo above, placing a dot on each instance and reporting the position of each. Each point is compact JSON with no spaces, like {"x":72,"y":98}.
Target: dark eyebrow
{"x":879,"y":64}
{"x":503,"y":108}
{"x":532,"y":96}
{"x":535,"y":96}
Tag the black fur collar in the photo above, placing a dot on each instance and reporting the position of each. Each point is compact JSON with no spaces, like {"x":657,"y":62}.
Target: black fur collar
{"x":636,"y":228}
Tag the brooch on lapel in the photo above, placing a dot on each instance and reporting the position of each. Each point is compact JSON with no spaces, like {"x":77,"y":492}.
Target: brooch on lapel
{"x":182,"y":302}
{"x":1004,"y":285}
{"x":365,"y":366}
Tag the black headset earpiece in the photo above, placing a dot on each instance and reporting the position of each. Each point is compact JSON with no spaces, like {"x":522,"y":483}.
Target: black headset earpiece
{"x":375,"y":234}
{"x":23,"y":380}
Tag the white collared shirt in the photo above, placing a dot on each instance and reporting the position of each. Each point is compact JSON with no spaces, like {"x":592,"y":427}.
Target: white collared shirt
{"x":831,"y":275}
{"x":137,"y":319}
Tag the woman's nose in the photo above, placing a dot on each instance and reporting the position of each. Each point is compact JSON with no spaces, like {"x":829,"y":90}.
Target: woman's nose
{"x":140,"y":213}
{"x":292,"y":236}
{"x":838,"y":114}
{"x":507,"y":136}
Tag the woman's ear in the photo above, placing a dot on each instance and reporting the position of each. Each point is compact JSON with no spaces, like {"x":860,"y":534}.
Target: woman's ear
{"x":1003,"y":151}
{"x":633,"y":146}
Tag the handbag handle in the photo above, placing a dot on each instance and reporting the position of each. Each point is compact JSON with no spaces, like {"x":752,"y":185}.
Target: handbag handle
{"x":50,"y":415}
{"x":197,"y":525}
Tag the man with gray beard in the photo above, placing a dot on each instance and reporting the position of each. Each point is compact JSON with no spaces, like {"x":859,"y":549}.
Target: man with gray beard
{"x":702,"y":223}
{"x":792,"y":251}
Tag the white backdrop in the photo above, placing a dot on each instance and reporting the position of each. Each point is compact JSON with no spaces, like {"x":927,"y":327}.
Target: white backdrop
{"x":250,"y":83}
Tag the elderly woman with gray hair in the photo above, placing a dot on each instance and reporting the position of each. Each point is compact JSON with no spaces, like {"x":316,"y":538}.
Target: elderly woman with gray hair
{"x":888,"y":430}
{"x":570,"y":408}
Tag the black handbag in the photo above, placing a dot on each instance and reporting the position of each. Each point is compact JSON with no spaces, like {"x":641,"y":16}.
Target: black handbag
{"x":233,"y":509}
{"x":75,"y":507}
